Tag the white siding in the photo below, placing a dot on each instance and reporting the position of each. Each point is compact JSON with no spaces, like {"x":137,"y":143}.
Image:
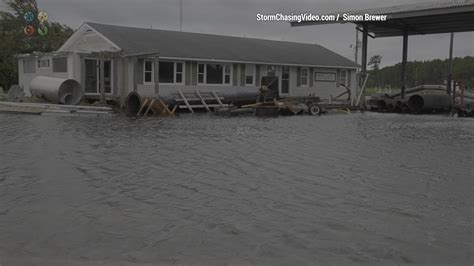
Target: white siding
{"x":91,"y":42}
{"x":24,"y":79}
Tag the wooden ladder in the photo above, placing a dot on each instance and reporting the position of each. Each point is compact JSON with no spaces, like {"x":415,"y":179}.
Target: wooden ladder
{"x":199,"y":99}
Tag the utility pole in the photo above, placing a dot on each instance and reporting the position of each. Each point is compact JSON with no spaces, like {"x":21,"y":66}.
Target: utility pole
{"x":180,"y":15}
{"x":356,"y":46}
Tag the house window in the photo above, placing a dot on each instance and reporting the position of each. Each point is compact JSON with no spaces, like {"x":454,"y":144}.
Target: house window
{"x":166,"y":72}
{"x":60,"y":64}
{"x":304,"y":77}
{"x":214,"y":74}
{"x":148,"y":72}
{"x":43,"y":63}
{"x":29,"y":66}
{"x":343,"y":77}
{"x":179,"y":73}
{"x":171,"y":72}
{"x":201,"y":73}
{"x":249,"y":74}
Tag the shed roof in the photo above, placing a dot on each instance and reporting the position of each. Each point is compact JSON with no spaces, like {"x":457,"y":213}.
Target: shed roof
{"x":421,"y":18}
{"x":176,"y":44}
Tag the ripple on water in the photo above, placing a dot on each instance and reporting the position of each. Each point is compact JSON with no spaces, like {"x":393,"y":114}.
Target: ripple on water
{"x":339,"y":189}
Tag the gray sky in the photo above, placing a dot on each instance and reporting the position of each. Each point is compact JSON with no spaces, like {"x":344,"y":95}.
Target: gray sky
{"x":238,"y":18}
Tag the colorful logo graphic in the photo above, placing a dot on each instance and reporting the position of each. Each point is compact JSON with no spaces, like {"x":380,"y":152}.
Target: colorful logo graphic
{"x":29,"y":30}
{"x":29,"y":17}
{"x":42,"y":16}
{"x":42,"y":29}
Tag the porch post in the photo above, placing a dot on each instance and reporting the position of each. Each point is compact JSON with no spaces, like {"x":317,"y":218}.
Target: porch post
{"x":135,"y":73}
{"x":156,"y":76}
{"x":365,"y":35}
{"x":124,"y":81}
{"x":102,"y":82}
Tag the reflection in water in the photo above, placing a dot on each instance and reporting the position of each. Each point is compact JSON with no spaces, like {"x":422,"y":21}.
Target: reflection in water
{"x":341,"y":189}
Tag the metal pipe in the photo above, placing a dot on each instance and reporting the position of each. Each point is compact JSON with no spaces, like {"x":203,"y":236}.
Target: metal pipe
{"x":57,"y":90}
{"x":429,"y":103}
{"x":133,"y":103}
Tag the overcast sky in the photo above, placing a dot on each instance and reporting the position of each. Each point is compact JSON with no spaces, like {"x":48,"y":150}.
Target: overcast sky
{"x":238,"y":18}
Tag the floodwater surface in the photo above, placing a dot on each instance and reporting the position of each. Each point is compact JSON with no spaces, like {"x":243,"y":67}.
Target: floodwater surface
{"x":380,"y":189}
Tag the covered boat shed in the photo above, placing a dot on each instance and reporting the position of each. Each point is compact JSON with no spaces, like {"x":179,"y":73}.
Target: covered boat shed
{"x":414,"y":19}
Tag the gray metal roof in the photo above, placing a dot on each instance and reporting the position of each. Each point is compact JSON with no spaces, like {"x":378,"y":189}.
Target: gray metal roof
{"x":216,"y":47}
{"x":422,"y":18}
{"x":413,"y":9}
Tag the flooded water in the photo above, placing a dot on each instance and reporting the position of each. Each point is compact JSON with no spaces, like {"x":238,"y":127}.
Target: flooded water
{"x":358,"y":189}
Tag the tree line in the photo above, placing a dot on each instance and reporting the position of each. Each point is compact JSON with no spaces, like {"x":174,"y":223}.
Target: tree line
{"x":423,"y":73}
{"x":14,"y":41}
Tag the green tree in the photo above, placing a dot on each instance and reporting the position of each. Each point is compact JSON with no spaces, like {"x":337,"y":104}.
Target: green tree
{"x":14,"y":41}
{"x":374,"y":61}
{"x":425,"y":72}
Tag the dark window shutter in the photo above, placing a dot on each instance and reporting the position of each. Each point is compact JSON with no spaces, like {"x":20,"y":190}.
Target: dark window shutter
{"x":298,"y":77}
{"x":338,"y":74}
{"x":194,"y":73}
{"x":187,"y":69}
{"x":349,"y":78}
{"x":310,"y":77}
{"x":257,"y":74}
{"x":242,"y":74}
{"x":235,"y":74}
{"x":139,"y":71}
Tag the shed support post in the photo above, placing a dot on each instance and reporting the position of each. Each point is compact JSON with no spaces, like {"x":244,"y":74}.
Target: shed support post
{"x":156,"y":75}
{"x":102,"y":81}
{"x":365,"y":35}
{"x":404,"y":63}
{"x":135,"y":74}
{"x":124,"y":81}
{"x":450,"y":75}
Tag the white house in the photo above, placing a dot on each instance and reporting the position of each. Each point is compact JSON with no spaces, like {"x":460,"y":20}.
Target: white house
{"x":111,"y":61}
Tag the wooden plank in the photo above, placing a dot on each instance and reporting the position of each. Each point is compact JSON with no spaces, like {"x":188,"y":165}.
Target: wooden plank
{"x":186,"y":102}
{"x":202,"y":100}
{"x":174,"y":110}
{"x":194,"y":98}
{"x":149,"y":107}
{"x":57,"y":106}
{"x":217,"y":98}
{"x":27,"y":110}
{"x":165,"y":106}
{"x":202,"y":106}
{"x":142,"y":107}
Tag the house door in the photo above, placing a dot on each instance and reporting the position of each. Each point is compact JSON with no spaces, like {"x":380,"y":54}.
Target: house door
{"x":92,"y":76}
{"x":285,"y":80}
{"x":273,"y":83}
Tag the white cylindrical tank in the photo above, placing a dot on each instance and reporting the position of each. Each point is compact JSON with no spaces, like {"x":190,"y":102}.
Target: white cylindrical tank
{"x":56,"y":90}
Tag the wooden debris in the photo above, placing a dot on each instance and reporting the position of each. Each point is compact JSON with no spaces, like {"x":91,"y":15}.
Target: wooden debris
{"x":156,"y":107}
{"x":53,"y":109}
